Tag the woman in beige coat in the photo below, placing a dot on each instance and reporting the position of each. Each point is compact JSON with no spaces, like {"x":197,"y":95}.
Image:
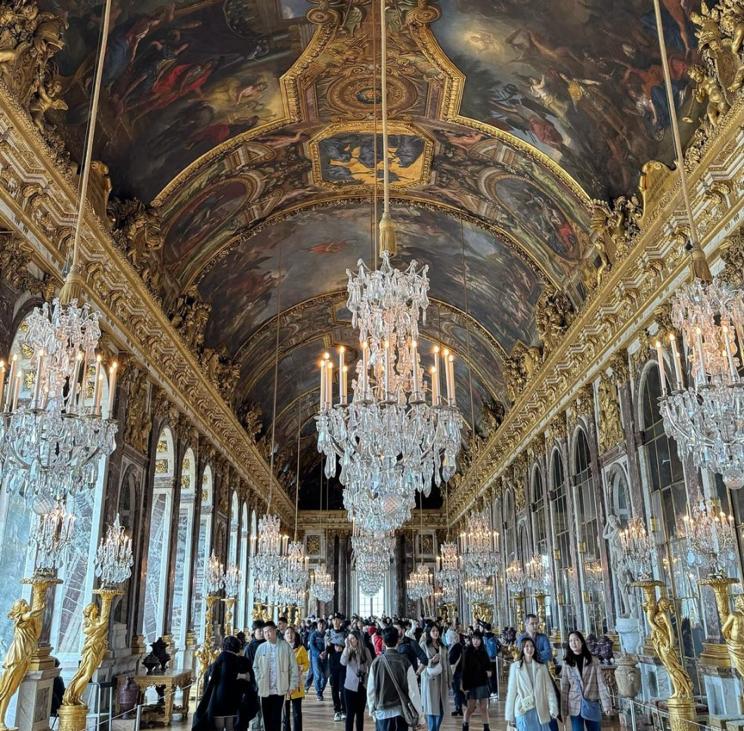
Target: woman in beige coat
{"x":435,"y":679}
{"x":530,"y":698}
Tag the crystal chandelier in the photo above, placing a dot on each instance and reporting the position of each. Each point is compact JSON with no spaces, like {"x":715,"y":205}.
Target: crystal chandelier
{"x":638,"y":549}
{"x":449,"y":568}
{"x":594,"y":575}
{"x":51,"y":441}
{"x":52,"y":537}
{"x":537,"y":573}
{"x":268,"y":551}
{"x":419,"y":584}
{"x":371,"y":554}
{"x":711,"y":537}
{"x":114,"y":558}
{"x":323,"y":586}
{"x":704,"y":413}
{"x":295,"y":572}
{"x":478,"y":590}
{"x":516,"y":579}
{"x":479,"y":546}
{"x":231,"y":580}
{"x":215,"y":577}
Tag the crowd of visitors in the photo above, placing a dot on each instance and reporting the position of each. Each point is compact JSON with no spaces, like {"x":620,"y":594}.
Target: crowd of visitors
{"x":400,"y":673}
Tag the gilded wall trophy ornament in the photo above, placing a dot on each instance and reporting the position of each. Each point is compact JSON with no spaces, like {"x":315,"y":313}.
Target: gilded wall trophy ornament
{"x":610,"y":424}
{"x":733,"y":633}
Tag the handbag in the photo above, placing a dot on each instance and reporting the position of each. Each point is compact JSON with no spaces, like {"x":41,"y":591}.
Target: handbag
{"x":409,"y":711}
{"x":433,"y":670}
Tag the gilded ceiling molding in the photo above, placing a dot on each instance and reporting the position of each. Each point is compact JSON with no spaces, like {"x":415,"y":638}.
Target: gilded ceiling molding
{"x":338,"y":520}
{"x":629,"y":293}
{"x":129,"y":312}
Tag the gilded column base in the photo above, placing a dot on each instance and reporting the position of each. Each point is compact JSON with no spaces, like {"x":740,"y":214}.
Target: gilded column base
{"x":72,"y":718}
{"x":715,"y":655}
{"x":682,"y":716}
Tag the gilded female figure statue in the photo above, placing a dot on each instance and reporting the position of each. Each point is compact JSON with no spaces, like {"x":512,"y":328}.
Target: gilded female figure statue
{"x":733,"y":633}
{"x":94,"y":648}
{"x":25,"y":636}
{"x":664,"y":642}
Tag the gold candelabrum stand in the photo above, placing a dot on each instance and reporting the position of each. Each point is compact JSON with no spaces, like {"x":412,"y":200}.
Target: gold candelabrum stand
{"x":24,"y":653}
{"x":519,"y":604}
{"x":203,"y":653}
{"x":715,"y":653}
{"x":73,"y":711}
{"x":681,"y":704}
{"x":540,"y":603}
{"x":229,"y":612}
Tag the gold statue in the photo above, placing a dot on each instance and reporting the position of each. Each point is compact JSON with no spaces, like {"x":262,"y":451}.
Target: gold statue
{"x":733,"y":633}
{"x":708,"y":86}
{"x":95,"y":629}
{"x":18,"y":658}
{"x":664,"y":643}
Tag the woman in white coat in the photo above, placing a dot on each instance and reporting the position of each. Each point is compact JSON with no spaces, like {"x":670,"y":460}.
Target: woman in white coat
{"x":530,"y":698}
{"x":435,"y":679}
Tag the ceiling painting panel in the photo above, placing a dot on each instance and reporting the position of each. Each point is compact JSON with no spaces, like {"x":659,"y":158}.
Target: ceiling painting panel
{"x":580,"y":81}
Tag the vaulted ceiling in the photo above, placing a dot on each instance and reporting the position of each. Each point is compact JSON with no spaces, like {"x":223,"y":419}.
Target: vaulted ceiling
{"x":250,"y":126}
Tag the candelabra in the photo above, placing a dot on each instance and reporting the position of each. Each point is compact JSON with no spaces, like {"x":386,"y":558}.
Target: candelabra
{"x":703,"y":413}
{"x":711,"y":537}
{"x":390,"y":441}
{"x":637,"y":548}
{"x":231,"y":582}
{"x":449,"y":570}
{"x":113,"y":566}
{"x":479,"y":546}
{"x":51,"y":440}
{"x":323,"y":586}
{"x":516,"y":580}
{"x":537,"y":577}
{"x":52,"y":537}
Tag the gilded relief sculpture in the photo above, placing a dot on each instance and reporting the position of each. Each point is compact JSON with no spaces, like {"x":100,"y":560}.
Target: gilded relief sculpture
{"x":733,"y":633}
{"x":27,"y":620}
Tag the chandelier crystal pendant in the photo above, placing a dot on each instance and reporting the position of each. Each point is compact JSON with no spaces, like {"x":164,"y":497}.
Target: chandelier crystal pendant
{"x":704,"y":412}
{"x":53,"y":538}
{"x":114,"y":559}
{"x":53,"y":437}
{"x":479,"y":546}
{"x":711,"y":537}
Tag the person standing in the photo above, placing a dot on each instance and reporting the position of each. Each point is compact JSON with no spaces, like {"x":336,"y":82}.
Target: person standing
{"x":294,"y":702}
{"x":276,"y":671}
{"x":455,"y":663}
{"x":335,"y":643}
{"x":356,"y":658}
{"x":493,"y":648}
{"x":250,"y":653}
{"x":541,"y":640}
{"x":530,"y":698}
{"x":318,"y":656}
{"x":584,"y":693}
{"x":435,"y":678}
{"x":391,"y":686}
{"x":476,"y":669}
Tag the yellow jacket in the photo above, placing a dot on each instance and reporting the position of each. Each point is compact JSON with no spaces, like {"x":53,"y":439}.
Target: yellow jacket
{"x":303,"y":662}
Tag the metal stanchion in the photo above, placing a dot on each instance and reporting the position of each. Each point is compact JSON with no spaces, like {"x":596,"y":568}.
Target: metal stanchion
{"x":138,"y":717}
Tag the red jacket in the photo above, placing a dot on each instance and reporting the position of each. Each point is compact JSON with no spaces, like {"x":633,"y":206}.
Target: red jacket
{"x":378,"y":643}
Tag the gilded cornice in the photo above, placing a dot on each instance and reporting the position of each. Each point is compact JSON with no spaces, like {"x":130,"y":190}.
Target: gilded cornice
{"x":628,"y":295}
{"x":337,"y":521}
{"x":134,"y":320}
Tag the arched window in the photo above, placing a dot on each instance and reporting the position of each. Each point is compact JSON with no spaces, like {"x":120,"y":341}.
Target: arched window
{"x":202,"y":552}
{"x":538,"y":512}
{"x":586,"y":504}
{"x":156,"y":580}
{"x":566,"y":591}
{"x":186,"y":505}
{"x":242,"y":615}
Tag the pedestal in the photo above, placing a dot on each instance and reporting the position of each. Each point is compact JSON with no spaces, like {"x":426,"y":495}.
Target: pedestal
{"x":34,"y":702}
{"x":629,"y":631}
{"x":722,"y":691}
{"x":72,"y":718}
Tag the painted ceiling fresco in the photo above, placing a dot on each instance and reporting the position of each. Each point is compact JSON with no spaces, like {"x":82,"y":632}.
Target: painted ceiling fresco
{"x":581,"y":81}
{"x":252,"y":128}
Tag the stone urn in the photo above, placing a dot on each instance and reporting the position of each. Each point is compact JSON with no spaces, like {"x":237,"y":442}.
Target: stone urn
{"x":629,"y":631}
{"x":627,"y":676}
{"x":128,"y":694}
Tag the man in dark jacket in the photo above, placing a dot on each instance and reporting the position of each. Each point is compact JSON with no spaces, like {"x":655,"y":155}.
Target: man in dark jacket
{"x":250,"y":652}
{"x":410,"y":649}
{"x":335,"y":643}
{"x":455,"y":661}
{"x":316,"y":646}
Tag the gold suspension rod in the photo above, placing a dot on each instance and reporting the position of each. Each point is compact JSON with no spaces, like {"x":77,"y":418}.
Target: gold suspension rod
{"x":700,"y":267}
{"x":387,"y":227}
